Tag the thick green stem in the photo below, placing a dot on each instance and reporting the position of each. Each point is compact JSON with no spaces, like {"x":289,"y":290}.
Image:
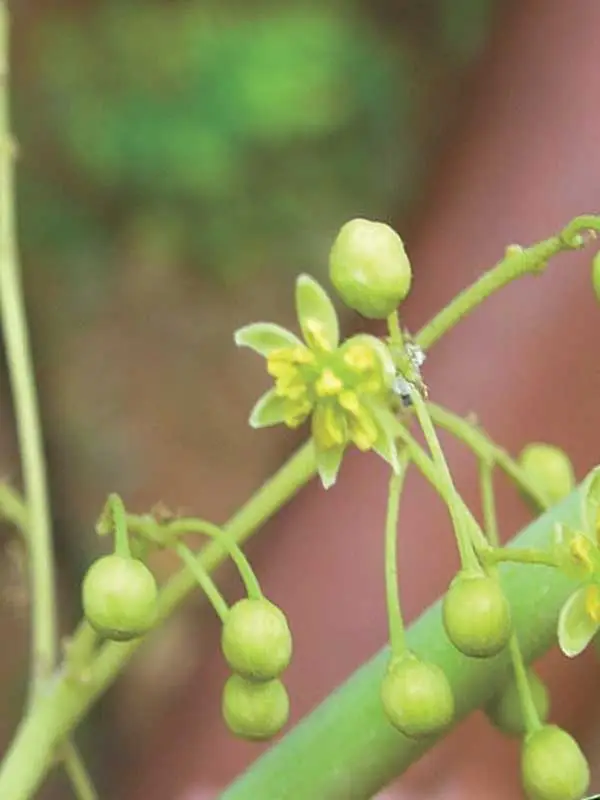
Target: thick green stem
{"x":347,"y":750}
{"x":67,"y":700}
{"x":20,"y":368}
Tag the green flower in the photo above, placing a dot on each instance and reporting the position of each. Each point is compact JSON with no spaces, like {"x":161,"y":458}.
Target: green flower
{"x":579,"y":619}
{"x":345,"y":388}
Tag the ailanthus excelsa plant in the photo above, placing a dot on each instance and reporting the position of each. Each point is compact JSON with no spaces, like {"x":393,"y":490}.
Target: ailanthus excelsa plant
{"x":579,"y":619}
{"x":345,"y":388}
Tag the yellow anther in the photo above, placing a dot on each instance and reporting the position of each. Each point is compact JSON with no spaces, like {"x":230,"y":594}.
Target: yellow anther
{"x":580,"y":549}
{"x":302,"y":355}
{"x":315,"y":335}
{"x":359,"y":357}
{"x":297,"y":413}
{"x":329,"y":427}
{"x":349,"y":401}
{"x":328,"y":384}
{"x":363,"y":431}
{"x":592,"y":602}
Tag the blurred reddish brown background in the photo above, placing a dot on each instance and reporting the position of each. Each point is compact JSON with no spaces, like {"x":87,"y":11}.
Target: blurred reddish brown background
{"x":143,"y":392}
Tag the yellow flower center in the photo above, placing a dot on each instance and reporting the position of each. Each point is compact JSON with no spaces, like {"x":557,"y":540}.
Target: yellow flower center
{"x":592,"y":602}
{"x":580,"y":549}
{"x":359,"y":357}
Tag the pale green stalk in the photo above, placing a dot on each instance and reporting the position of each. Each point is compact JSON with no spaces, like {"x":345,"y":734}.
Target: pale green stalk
{"x":20,"y":368}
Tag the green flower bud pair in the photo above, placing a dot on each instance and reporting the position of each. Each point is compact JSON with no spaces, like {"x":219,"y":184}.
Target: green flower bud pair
{"x":257,"y":645}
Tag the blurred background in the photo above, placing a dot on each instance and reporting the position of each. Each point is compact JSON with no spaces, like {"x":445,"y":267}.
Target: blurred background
{"x":180,"y":162}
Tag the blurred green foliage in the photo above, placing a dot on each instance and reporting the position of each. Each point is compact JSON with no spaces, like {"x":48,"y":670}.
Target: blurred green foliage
{"x":226,"y":136}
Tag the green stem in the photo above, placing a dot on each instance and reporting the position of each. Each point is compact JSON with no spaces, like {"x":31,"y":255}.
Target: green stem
{"x":66,"y":702}
{"x":394,"y":609}
{"x":530,"y":713}
{"x":204,"y":580}
{"x":511,"y":555}
{"x":75,"y":768}
{"x":347,"y":750}
{"x":20,"y":367}
{"x":13,"y":509}
{"x":119,"y":519}
{"x":488,"y":502}
{"x":486,"y":449}
{"x":180,"y":527}
{"x":516,"y":263}
{"x":465,"y":546}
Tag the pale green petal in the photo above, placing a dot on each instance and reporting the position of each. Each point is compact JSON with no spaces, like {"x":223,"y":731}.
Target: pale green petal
{"x":265,"y":337}
{"x":386,"y":445}
{"x":269,"y":410}
{"x":576,"y":628}
{"x":316,"y":314}
{"x":328,"y":464}
{"x":382,"y":352}
{"x":591,"y":503}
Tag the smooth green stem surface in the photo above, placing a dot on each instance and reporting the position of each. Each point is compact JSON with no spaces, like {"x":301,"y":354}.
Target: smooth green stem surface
{"x":347,"y":750}
{"x":184,"y":526}
{"x":394,"y":608}
{"x":81,"y":782}
{"x":67,"y":700}
{"x":523,"y":555}
{"x":488,"y":502}
{"x":204,"y":580}
{"x":21,"y":373}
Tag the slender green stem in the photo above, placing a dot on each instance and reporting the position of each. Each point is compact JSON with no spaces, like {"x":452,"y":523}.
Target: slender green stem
{"x":485,"y":448}
{"x":75,"y":768}
{"x":119,"y":519}
{"x":516,"y":263}
{"x":20,"y":367}
{"x":29,"y":757}
{"x":511,"y":555}
{"x":530,"y":713}
{"x":394,"y":609}
{"x":465,"y":546}
{"x":204,"y":580}
{"x":488,"y":502}
{"x":163,"y":534}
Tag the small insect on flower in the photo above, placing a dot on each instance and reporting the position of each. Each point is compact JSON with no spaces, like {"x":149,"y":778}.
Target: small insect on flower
{"x":345,"y":388}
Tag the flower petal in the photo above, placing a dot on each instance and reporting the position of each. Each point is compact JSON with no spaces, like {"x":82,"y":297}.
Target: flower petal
{"x":328,"y":464}
{"x":316,"y":314}
{"x":576,"y":629}
{"x":591,"y":503}
{"x":269,"y":410}
{"x":386,"y":445}
{"x":265,"y":337}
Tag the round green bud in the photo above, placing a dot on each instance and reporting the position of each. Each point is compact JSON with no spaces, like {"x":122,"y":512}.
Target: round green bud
{"x":416,"y":696}
{"x":596,"y":275}
{"x":255,"y":710}
{"x":256,"y":640}
{"x":369,"y":268}
{"x":549,"y":469}
{"x":504,"y":710}
{"x":476,"y":615}
{"x":553,"y":766}
{"x":120,"y":597}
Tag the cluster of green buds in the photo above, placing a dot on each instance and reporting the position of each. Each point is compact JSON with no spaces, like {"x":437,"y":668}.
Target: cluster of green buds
{"x":257,"y":645}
